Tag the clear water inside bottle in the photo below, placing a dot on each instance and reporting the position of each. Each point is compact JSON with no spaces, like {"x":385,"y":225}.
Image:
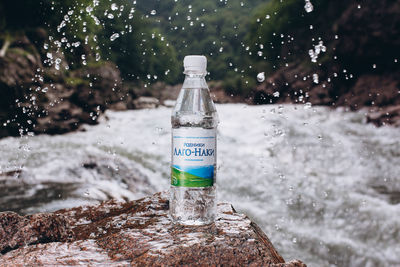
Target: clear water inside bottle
{"x":194,"y":108}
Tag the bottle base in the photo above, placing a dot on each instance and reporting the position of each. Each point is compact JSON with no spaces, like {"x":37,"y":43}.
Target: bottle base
{"x":192,"y":222}
{"x":192,"y":205}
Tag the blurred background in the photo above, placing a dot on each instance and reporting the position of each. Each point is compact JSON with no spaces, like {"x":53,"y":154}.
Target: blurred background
{"x":307,"y":93}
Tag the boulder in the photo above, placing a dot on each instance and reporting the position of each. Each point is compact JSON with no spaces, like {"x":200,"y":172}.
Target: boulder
{"x":293,"y":84}
{"x":358,"y":70}
{"x":373,"y":90}
{"x":99,"y":86}
{"x":146,"y":102}
{"x":40,"y":98}
{"x":137,"y":233}
{"x":18,"y":101}
{"x":385,"y":116}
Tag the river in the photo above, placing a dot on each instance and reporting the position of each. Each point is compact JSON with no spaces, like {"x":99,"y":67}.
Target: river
{"x":321,"y":183}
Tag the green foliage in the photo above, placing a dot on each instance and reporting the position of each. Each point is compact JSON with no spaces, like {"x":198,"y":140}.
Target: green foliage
{"x":270,"y":24}
{"x":138,"y":50}
{"x":284,"y":32}
{"x":238,"y":37}
{"x":212,"y":28}
{"x":21,"y":15}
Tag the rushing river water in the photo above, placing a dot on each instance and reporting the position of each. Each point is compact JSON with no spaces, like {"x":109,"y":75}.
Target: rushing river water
{"x":322,"y":184}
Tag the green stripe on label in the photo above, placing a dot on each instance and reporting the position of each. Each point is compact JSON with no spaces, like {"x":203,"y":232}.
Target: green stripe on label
{"x":182,"y":178}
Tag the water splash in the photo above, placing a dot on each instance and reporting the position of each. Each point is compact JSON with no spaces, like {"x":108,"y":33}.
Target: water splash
{"x":114,"y":36}
{"x":114,"y":6}
{"x":308,"y":6}
{"x":314,"y":53}
{"x":261,"y":77}
{"x":315,"y":78}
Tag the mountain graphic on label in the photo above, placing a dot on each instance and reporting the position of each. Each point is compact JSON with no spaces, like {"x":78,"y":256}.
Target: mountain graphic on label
{"x":192,"y":176}
{"x":200,"y":171}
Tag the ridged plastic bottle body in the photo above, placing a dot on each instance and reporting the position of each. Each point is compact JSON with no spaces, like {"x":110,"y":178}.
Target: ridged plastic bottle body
{"x":194,"y":112}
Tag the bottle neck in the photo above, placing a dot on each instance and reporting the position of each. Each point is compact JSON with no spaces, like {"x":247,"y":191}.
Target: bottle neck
{"x":194,"y":81}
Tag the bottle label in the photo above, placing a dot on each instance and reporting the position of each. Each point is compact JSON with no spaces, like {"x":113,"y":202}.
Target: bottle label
{"x":193,"y":157}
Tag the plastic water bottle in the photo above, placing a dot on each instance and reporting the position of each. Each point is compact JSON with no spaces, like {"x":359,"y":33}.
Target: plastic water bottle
{"x":193,"y":165}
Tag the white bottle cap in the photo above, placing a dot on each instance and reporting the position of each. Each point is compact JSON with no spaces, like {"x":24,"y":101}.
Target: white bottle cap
{"x":195,"y":64}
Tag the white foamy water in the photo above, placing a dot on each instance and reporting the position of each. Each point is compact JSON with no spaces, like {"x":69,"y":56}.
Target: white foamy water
{"x":322,"y":184}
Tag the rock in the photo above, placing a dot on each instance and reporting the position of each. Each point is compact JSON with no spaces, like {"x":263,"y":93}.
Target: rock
{"x":102,"y":89}
{"x":17,"y":77}
{"x":359,"y":68}
{"x":385,"y":116}
{"x":146,"y":102}
{"x":43,"y":99}
{"x":219,"y":94}
{"x":164,"y":92}
{"x":293,"y":84}
{"x":137,"y":233}
{"x":364,"y":41}
{"x":373,"y":90}
{"x":17,"y":231}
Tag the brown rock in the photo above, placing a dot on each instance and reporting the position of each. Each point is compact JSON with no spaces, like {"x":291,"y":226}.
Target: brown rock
{"x":146,"y":102}
{"x":294,"y":84}
{"x":106,"y":87}
{"x":368,"y":35}
{"x":16,"y":231}
{"x":385,"y":116}
{"x":17,"y":70}
{"x":139,"y":233}
{"x":373,"y":90}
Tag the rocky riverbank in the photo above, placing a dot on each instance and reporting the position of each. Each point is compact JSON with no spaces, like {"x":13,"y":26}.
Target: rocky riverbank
{"x":134,"y":233}
{"x":41,"y":98}
{"x":358,"y":66}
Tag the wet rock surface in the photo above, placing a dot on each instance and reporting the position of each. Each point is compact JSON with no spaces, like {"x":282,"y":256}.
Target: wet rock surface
{"x":17,"y":231}
{"x":137,"y":233}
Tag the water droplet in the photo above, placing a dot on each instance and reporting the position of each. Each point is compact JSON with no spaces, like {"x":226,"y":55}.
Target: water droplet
{"x":89,"y":9}
{"x":267,"y":16}
{"x":374,"y":66}
{"x":276,"y":94}
{"x":316,"y":51}
{"x":308,"y":6}
{"x":153,"y":12}
{"x":261,"y":77}
{"x":114,"y":36}
{"x":114,"y":6}
{"x":110,"y":16}
{"x":315,"y":78}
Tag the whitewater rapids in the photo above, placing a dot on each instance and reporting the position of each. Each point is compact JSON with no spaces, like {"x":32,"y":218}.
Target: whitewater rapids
{"x":321,"y":183}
